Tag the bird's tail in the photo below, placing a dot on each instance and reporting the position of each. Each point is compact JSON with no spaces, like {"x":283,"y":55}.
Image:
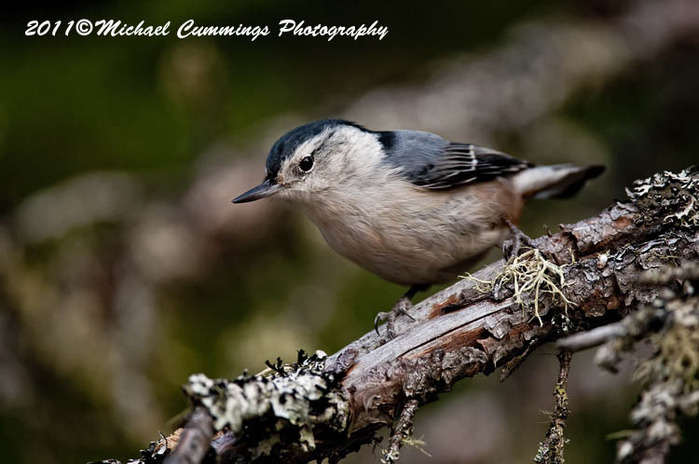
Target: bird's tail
{"x":558,"y":181}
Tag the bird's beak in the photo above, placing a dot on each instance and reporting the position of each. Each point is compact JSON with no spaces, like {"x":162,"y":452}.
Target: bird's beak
{"x":264,"y":190}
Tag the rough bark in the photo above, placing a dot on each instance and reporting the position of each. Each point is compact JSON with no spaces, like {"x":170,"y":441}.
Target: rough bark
{"x":326,"y":407}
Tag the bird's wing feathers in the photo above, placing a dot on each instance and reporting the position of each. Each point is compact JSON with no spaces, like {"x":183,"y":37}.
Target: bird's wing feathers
{"x":432,"y":162}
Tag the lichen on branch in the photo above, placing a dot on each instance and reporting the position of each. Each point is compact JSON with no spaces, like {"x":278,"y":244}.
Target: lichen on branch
{"x":279,"y":410}
{"x":670,"y":375}
{"x":672,"y":197}
{"x":531,"y":277}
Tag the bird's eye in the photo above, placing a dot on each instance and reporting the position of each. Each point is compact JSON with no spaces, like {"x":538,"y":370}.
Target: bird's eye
{"x":306,"y":163}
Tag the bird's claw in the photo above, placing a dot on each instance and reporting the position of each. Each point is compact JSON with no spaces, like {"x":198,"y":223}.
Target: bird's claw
{"x":513,"y":247}
{"x":380,"y":317}
{"x":401,"y":307}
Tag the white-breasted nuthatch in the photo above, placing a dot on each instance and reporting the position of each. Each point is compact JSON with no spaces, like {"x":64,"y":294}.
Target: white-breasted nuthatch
{"x":409,"y":206}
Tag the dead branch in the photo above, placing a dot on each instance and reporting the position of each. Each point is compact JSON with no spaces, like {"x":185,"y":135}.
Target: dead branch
{"x":326,"y":407}
{"x":194,"y":441}
{"x":551,"y":449}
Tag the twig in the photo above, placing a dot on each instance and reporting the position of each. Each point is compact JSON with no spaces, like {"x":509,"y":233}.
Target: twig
{"x":595,"y":337}
{"x":194,"y":440}
{"x":402,"y":431}
{"x":551,"y":449}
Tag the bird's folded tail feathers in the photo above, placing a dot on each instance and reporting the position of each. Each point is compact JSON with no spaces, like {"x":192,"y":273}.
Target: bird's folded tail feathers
{"x":557,"y":181}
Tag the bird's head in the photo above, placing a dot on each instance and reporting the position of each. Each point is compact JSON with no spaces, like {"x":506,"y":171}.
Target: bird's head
{"x":317,"y":157}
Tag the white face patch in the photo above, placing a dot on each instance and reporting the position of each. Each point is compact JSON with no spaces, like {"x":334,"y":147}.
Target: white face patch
{"x":344,"y":157}
{"x":290,"y":170}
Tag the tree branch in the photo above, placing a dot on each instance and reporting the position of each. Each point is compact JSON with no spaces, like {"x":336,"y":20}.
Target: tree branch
{"x":326,"y":407}
{"x":551,"y":450}
{"x":194,"y":440}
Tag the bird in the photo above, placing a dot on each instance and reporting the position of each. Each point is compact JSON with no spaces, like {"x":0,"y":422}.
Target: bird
{"x":409,"y":206}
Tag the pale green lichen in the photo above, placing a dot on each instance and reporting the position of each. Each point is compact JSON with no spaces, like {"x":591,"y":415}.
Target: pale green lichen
{"x":531,"y":277}
{"x":482,"y":286}
{"x":677,"y":357}
{"x":417,"y":443}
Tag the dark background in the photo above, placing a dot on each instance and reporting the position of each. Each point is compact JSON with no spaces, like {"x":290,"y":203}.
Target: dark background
{"x":124,"y":267}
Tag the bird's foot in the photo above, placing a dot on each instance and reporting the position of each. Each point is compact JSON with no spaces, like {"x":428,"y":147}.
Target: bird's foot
{"x":513,"y":247}
{"x":401,"y":307}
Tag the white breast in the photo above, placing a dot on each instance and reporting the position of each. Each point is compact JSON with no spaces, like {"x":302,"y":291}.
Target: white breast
{"x":406,"y":234}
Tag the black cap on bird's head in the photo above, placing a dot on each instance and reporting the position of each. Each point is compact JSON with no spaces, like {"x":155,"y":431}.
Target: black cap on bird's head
{"x":283,"y":149}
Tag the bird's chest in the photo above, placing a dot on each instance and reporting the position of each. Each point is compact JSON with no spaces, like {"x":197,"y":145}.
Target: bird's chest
{"x":393,"y":232}
{"x":357,"y":225}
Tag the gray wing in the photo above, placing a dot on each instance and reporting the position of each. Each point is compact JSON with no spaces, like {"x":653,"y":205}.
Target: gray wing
{"x":434,"y":163}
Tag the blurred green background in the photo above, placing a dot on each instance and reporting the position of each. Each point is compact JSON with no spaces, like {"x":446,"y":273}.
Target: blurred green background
{"x":124,"y":268}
